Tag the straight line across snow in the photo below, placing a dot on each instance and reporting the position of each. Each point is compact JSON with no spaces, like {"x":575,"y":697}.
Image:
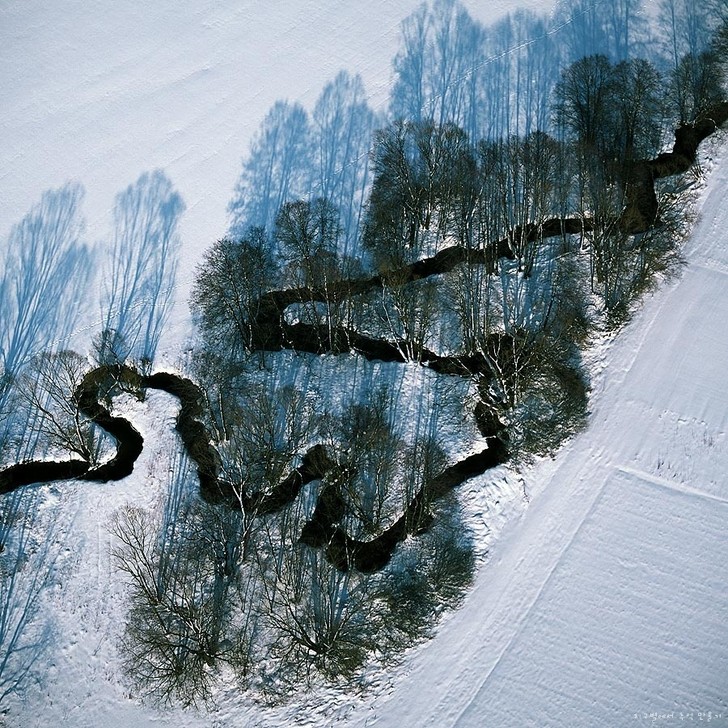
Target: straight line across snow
{"x":671,"y":485}
{"x":606,"y":604}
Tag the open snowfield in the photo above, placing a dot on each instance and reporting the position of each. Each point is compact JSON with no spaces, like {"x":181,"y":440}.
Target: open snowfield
{"x":99,"y":92}
{"x":605,"y":604}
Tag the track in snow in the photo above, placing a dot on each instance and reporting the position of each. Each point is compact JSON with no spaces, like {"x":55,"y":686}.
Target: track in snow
{"x":607,"y":604}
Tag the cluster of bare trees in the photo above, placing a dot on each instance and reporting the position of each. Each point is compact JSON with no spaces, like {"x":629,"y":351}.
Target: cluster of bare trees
{"x":480,"y":230}
{"x":491,"y":143}
{"x":182,"y":565}
{"x":611,"y":117}
{"x":496,"y":81}
{"x":228,"y":290}
{"x":423,"y":189}
{"x":534,"y":223}
{"x":234,"y":588}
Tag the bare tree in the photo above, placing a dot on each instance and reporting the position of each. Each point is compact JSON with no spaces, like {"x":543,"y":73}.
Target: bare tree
{"x":473,"y":298}
{"x":265,"y":435}
{"x":423,"y":190}
{"x":308,"y":234}
{"x":320,"y":619}
{"x":184,"y":590}
{"x":583,"y":101}
{"x":368,"y":455}
{"x":408,"y":313}
{"x":423,"y":460}
{"x":169,"y":642}
{"x":696,"y":85}
{"x":50,"y":386}
{"x":428,"y":575}
{"x":227,"y":292}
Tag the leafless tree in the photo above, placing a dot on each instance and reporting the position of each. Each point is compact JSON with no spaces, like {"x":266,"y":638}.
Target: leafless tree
{"x":178,"y":630}
{"x":49,"y":387}
{"x":227,"y":291}
{"x":368,"y":454}
{"x":428,"y":575}
{"x":423,"y":191}
{"x":321,"y":620}
{"x":408,"y":313}
{"x":308,"y":234}
{"x":265,"y":435}
{"x":696,"y":85}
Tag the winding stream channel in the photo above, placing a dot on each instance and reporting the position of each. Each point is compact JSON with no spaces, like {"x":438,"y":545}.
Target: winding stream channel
{"x":271,"y":332}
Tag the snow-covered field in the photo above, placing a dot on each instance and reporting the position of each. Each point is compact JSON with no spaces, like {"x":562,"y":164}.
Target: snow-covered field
{"x":99,"y":92}
{"x":605,"y":604}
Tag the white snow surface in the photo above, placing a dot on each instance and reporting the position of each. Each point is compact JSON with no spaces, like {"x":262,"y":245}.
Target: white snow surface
{"x":604,"y":603}
{"x":99,"y":92}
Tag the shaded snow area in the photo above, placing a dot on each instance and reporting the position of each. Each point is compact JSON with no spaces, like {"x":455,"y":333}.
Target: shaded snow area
{"x":86,"y":603}
{"x":605,"y":604}
{"x":601,"y":597}
{"x":99,"y":93}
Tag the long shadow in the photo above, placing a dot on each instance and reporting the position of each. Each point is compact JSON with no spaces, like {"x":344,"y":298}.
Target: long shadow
{"x":494,"y":81}
{"x":28,"y":564}
{"x":323,"y":529}
{"x":297,"y":156}
{"x":142,"y":268}
{"x":44,"y":274}
{"x":343,"y":128}
{"x":277,"y":169}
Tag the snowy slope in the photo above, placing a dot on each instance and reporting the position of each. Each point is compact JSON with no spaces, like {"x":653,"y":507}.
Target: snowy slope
{"x":606,"y":604}
{"x":99,"y":92}
{"x":606,"y":601}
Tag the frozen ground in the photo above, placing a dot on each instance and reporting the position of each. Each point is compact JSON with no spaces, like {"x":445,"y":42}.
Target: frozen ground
{"x":606,"y":603}
{"x":603,"y":605}
{"x":99,"y":92}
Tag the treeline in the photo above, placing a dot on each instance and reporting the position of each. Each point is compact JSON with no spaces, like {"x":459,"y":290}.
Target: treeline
{"x":510,"y":202}
{"x":497,"y":81}
{"x":519,"y":191}
{"x":493,"y":82}
{"x":240,"y":591}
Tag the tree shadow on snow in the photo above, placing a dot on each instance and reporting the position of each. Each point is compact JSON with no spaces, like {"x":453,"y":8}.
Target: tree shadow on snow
{"x":141,"y":274}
